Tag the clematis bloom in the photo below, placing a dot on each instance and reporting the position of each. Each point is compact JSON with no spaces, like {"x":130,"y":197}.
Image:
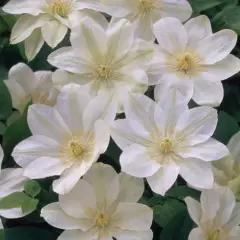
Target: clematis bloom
{"x":102,"y":205}
{"x":66,"y":139}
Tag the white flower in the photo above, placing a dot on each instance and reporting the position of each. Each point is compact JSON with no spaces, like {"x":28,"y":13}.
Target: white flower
{"x":217,"y":216}
{"x":194,"y":59}
{"x":102,"y":205}
{"x":67,"y":139}
{"x":144,"y":13}
{"x":45,"y":20}
{"x":227,"y":170}
{"x":164,"y":139}
{"x":106,"y":60}
{"x":11,"y":180}
{"x":25,"y":86}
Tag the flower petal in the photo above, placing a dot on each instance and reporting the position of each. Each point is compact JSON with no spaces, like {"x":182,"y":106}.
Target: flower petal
{"x":196,"y":172}
{"x":197,"y":125}
{"x":194,"y":209}
{"x":208,"y":93}
{"x":1,"y":157}
{"x":25,"y":25}
{"x":217,"y":46}
{"x":71,"y":176}
{"x":34,"y":147}
{"x":208,"y":151}
{"x":33,"y":44}
{"x":120,"y":37}
{"x":135,"y":161}
{"x":32,"y":7}
{"x":71,"y":104}
{"x":75,"y":235}
{"x":197,"y":29}
{"x":221,"y":70}
{"x":235,"y":217}
{"x":180,"y":9}
{"x":76,"y":206}
{"x":164,"y":178}
{"x":45,"y":167}
{"x":44,"y":120}
{"x":104,"y":181}
{"x":234,"y":146}
{"x":210,"y":204}
{"x":89,"y":38}
{"x":103,"y":106}
{"x":67,"y":58}
{"x":133,"y":216}
{"x":55,"y":216}
{"x":24,"y":76}
{"x":171,"y":35}
{"x":53,"y":32}
{"x":11,"y":180}
{"x":196,"y":234}
{"x":133,"y":235}
{"x":131,"y":188}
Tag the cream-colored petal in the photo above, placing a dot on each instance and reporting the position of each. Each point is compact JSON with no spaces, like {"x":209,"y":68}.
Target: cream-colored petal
{"x":55,"y":216}
{"x":171,"y":35}
{"x":32,"y":7}
{"x":47,"y":121}
{"x":76,"y":206}
{"x":133,"y":216}
{"x":194,"y":209}
{"x":164,"y":178}
{"x":33,"y":44}
{"x":131,"y":188}
{"x":234,"y":146}
{"x":133,"y":235}
{"x":35,"y":147}
{"x":105,"y":182}
{"x":75,"y":235}
{"x":25,"y":25}
{"x":53,"y":32}
{"x":217,"y":46}
{"x":197,"y":29}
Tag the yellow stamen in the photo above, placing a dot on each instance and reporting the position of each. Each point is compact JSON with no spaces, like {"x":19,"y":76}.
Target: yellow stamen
{"x":75,"y":148}
{"x":102,"y":220}
{"x":186,"y":62}
{"x":60,"y":7}
{"x":166,"y":146}
{"x":146,"y":6}
{"x":103,"y":71}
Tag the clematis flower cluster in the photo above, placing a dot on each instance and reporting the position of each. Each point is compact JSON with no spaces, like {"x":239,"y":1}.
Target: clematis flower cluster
{"x":110,"y":68}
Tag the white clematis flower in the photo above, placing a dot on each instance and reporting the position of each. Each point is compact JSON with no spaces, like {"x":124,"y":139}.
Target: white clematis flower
{"x":217,"y":215}
{"x":227,"y":170}
{"x":194,"y":59}
{"x":102,"y":205}
{"x":67,"y":139}
{"x":46,"y":20}
{"x":11,"y":180}
{"x":144,"y":13}
{"x":25,"y":86}
{"x":109,"y":60}
{"x":164,"y":139}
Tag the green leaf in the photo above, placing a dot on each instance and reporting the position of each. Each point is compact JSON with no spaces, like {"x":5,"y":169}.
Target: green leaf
{"x":32,"y":188}
{"x":227,"y":126}
{"x":202,"y":5}
{"x":29,"y":205}
{"x":2,"y":128}
{"x":178,"y":228}
{"x":13,"y":200}
{"x":5,"y":102}
{"x":29,"y":233}
{"x":15,"y":133}
{"x":156,"y":200}
{"x":2,"y":234}
{"x":164,"y":213}
{"x":180,"y":192}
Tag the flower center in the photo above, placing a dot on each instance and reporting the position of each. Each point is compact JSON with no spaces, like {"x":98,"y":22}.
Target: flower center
{"x":166,"y":146}
{"x":39,"y":97}
{"x":75,"y":148}
{"x":146,"y":6}
{"x":216,"y":234}
{"x":186,"y":62}
{"x":103,"y":71}
{"x":60,"y":7}
{"x":102,"y":220}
